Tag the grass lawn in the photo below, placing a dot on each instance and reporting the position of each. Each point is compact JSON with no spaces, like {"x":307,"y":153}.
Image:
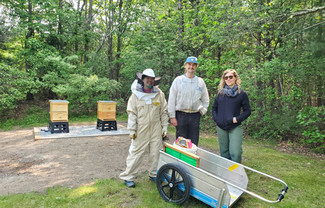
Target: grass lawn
{"x":305,"y":176}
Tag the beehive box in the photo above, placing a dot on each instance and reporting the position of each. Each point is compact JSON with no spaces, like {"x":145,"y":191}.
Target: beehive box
{"x":106,"y":110}
{"x":59,"y":110}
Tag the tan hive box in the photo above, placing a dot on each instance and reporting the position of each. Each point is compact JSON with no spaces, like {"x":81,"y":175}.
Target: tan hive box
{"x":59,"y":110}
{"x":106,"y":110}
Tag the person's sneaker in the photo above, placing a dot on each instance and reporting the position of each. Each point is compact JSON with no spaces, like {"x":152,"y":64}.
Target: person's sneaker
{"x":130,"y":184}
{"x":152,"y":178}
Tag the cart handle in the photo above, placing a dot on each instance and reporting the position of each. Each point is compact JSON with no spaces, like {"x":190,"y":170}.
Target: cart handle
{"x":281,"y":195}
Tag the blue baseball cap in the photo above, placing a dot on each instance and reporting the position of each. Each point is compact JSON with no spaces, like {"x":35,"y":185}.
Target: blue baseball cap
{"x":191,"y":59}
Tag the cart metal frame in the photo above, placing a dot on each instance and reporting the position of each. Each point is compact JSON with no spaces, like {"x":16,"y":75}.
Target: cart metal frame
{"x":215,"y":180}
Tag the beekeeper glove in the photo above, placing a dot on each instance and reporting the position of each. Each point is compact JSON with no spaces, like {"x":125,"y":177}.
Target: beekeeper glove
{"x":164,"y":132}
{"x":133,"y":134}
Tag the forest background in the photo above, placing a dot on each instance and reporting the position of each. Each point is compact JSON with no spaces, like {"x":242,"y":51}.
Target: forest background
{"x":85,"y":51}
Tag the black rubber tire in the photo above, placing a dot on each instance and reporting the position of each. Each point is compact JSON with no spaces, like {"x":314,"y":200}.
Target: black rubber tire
{"x":170,"y":181}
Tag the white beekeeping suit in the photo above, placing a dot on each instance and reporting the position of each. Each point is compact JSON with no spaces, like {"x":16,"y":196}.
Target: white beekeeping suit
{"x":147,"y":120}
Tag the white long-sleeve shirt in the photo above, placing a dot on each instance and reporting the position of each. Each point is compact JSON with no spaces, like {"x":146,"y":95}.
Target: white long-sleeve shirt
{"x":188,"y":95}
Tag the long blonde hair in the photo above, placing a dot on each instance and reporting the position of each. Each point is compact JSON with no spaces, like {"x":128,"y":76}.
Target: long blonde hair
{"x":223,"y":83}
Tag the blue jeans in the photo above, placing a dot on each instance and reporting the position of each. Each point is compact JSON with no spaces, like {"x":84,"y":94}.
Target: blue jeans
{"x":230,"y":143}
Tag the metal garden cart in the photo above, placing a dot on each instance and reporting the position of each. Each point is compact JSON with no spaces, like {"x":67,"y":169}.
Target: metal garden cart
{"x":208,"y":177}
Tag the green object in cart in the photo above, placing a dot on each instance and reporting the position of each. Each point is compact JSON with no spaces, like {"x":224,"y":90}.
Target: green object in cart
{"x":181,"y":156}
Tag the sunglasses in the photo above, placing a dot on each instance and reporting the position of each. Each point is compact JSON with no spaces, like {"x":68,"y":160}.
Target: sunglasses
{"x":228,"y":77}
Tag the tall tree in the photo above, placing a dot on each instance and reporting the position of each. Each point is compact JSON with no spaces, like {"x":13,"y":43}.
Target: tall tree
{"x":88,"y":19}
{"x":60,"y":30}
{"x":110,"y":36}
{"x":180,"y":24}
{"x":121,"y":30}
{"x":29,"y":35}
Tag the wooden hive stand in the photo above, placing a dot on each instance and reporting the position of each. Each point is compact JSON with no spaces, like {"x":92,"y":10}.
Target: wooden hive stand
{"x":58,"y":116}
{"x":106,"y":115}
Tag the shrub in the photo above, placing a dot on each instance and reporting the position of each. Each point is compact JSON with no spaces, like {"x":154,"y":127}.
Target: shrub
{"x":83,"y":92}
{"x":312,"y":121}
{"x":14,"y":86}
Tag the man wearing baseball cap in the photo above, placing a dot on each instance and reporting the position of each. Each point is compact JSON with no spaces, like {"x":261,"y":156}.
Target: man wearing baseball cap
{"x":188,"y":101}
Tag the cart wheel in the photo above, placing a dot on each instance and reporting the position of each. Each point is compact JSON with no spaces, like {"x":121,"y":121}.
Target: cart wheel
{"x":173,"y":183}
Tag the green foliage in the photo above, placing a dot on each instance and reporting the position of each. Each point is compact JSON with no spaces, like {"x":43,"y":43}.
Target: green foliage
{"x":157,"y":48}
{"x":312,"y":123}
{"x":57,"y":70}
{"x":14,"y":86}
{"x":83,"y":92}
{"x":40,"y":57}
{"x":34,"y":116}
{"x":277,"y":47}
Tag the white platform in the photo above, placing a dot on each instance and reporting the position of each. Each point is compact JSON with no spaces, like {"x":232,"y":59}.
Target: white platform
{"x":78,"y":131}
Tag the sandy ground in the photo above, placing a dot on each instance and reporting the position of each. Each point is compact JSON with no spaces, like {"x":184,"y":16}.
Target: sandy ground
{"x":27,"y":165}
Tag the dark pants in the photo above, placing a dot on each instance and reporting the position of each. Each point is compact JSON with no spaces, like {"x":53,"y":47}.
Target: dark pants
{"x":188,"y":126}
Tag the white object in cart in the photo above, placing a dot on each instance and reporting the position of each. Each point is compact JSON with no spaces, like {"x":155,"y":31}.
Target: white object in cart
{"x":212,"y":179}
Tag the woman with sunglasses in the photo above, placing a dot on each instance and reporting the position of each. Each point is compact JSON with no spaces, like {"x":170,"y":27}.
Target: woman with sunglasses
{"x":230,"y":108}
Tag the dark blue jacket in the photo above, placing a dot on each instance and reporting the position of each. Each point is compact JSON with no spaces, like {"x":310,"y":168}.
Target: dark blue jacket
{"x":225,"y":108}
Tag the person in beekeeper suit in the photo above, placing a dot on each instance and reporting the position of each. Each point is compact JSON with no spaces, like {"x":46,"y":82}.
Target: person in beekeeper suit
{"x":147,"y":123}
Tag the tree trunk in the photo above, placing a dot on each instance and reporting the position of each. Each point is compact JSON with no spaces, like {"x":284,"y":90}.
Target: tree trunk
{"x":321,"y":53}
{"x":86,"y":46}
{"x":30,"y":34}
{"x":219,"y":58}
{"x":76,"y":44}
{"x":110,"y":41}
{"x":119,"y":44}
{"x":196,"y":23}
{"x":180,"y":25}
{"x":259,"y":82}
{"x":60,"y":32}
{"x":88,"y":20}
{"x":90,"y":13}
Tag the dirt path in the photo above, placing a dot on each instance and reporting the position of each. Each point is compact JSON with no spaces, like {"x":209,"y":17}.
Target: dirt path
{"x":27,"y":165}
